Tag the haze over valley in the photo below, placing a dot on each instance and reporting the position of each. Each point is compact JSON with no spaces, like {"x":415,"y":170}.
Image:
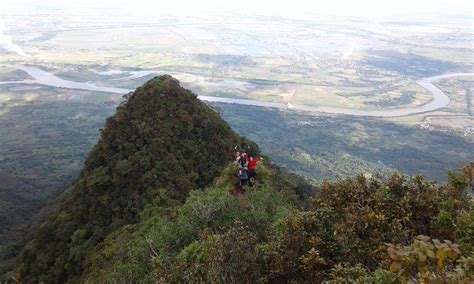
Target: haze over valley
{"x":347,"y":67}
{"x":328,"y":91}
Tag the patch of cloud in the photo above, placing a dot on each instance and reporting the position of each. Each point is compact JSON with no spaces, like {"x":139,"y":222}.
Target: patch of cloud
{"x":7,"y":43}
{"x":349,"y":50}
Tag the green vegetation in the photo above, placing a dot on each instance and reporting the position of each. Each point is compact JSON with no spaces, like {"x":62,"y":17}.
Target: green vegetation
{"x":12,"y":74}
{"x":43,"y":145}
{"x":409,"y":64}
{"x":344,"y":235}
{"x":160,"y":144}
{"x":165,"y":236}
{"x":404,"y":99}
{"x":350,"y":221}
{"x":154,"y":202}
{"x":332,"y":148}
{"x":49,"y":140}
{"x":13,"y":218}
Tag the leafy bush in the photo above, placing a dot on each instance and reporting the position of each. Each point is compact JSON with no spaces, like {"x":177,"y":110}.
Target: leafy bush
{"x":341,"y":238}
{"x":430,"y":261}
{"x":231,"y":257}
{"x":164,"y":239}
{"x":350,"y":221}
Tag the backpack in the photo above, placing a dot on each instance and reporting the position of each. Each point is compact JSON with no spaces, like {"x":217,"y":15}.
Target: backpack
{"x":244,"y":174}
{"x":243,"y":162}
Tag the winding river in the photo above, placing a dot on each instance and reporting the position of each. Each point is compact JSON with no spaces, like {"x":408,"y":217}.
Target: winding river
{"x":440,"y":99}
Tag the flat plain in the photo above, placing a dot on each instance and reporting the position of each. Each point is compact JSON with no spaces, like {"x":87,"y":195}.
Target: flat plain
{"x":333,"y":62}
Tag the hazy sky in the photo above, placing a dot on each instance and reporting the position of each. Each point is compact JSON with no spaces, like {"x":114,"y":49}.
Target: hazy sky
{"x":276,"y":7}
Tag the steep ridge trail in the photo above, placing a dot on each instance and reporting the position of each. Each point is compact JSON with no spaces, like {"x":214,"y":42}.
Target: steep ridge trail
{"x":440,"y":99}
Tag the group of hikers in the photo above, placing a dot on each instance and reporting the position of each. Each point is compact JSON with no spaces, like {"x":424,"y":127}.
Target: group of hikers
{"x":248,"y":169}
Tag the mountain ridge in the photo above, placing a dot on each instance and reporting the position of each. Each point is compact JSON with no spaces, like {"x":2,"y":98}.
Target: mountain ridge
{"x":157,"y":201}
{"x":161,"y":143}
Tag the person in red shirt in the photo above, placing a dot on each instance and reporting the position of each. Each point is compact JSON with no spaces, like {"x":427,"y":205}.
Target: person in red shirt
{"x":253,"y":167}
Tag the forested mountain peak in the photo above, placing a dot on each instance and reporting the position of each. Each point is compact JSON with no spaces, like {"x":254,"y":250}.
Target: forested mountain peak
{"x":161,"y":143}
{"x":160,"y":200}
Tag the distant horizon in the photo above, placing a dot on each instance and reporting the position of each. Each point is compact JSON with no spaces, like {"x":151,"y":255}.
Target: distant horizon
{"x":295,"y":8}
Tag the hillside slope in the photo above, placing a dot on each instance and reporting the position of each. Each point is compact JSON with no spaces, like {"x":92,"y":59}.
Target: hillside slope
{"x":362,"y":230}
{"x":14,"y":191}
{"x":150,"y":250}
{"x":161,"y":143}
{"x":157,"y":202}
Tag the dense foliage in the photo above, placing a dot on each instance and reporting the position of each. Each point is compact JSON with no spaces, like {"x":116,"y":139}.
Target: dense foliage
{"x":14,"y":191}
{"x":347,"y":230}
{"x":333,"y":148}
{"x":156,"y":201}
{"x":153,"y":247}
{"x":161,"y":143}
{"x":343,"y":236}
{"x":350,"y":222}
{"x":43,"y":146}
{"x":368,"y":230}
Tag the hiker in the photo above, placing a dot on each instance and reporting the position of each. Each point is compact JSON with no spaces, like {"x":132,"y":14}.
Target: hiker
{"x":244,"y":178}
{"x":237,"y":157}
{"x":244,"y":163}
{"x":253,"y":167}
